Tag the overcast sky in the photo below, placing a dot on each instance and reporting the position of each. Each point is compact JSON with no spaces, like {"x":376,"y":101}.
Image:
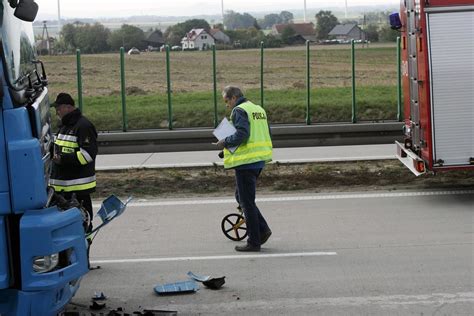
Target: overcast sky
{"x":124,"y":8}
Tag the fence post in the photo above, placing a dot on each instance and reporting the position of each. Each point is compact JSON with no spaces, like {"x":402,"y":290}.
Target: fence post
{"x":79,"y":78}
{"x":261,"y":73}
{"x":354,"y":108}
{"x":214,"y":75}
{"x":168,"y":83}
{"x":308,"y":84}
{"x":123,"y":90}
{"x":399,"y":80}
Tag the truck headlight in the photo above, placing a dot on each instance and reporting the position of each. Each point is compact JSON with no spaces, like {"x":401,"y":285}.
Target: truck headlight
{"x":43,"y":264}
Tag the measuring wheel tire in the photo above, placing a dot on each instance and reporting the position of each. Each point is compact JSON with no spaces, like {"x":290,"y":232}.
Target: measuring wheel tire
{"x":234,"y":227}
{"x":86,"y":219}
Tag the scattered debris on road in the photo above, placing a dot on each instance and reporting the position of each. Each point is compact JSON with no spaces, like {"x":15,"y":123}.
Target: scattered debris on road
{"x":212,"y":283}
{"x":99,"y":296}
{"x":181,"y":287}
{"x":97,"y":306}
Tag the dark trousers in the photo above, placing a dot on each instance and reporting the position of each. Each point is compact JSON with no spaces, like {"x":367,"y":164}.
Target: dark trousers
{"x":85,"y":200}
{"x":246,"y":184}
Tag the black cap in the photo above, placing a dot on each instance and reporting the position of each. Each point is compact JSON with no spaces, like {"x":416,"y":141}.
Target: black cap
{"x":63,"y":98}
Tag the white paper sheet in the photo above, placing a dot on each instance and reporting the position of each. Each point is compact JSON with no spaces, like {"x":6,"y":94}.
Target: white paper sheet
{"x":223,"y":130}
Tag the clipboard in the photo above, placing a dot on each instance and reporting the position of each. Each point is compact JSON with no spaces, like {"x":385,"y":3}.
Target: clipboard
{"x":223,"y":130}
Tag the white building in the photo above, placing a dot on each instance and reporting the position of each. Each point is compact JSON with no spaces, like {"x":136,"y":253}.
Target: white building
{"x":220,"y":36}
{"x":197,"y":39}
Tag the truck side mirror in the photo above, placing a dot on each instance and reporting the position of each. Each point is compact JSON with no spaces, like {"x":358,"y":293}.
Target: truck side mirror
{"x":26,"y":10}
{"x":395,"y":22}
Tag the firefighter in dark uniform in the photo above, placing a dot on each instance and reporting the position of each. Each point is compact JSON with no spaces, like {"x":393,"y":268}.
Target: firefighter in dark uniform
{"x":74,"y":152}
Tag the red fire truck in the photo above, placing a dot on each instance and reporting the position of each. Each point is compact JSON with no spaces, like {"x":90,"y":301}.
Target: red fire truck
{"x":438,"y":84}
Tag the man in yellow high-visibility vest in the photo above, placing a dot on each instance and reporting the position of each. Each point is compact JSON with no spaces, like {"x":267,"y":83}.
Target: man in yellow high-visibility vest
{"x":254,"y":148}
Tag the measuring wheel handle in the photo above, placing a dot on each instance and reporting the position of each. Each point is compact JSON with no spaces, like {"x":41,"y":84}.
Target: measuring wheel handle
{"x":234,"y":227}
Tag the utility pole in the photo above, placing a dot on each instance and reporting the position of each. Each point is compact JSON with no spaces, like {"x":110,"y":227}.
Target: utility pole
{"x":222,"y":7}
{"x":346,"y":10}
{"x":59,"y":19}
{"x":305,"y":11}
{"x":45,"y":39}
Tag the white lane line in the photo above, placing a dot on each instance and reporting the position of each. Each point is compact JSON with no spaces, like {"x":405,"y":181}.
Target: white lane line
{"x":230,"y":257}
{"x":300,"y":198}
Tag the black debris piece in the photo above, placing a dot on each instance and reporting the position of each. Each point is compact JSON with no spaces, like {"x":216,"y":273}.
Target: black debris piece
{"x":215,"y":283}
{"x":97,"y":306}
{"x":99,"y":296}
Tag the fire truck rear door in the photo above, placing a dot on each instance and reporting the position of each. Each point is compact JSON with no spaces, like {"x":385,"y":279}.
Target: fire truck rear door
{"x":451,"y":55}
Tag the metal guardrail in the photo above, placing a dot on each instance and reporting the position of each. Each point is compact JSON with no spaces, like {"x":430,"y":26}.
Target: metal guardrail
{"x":282,"y":135}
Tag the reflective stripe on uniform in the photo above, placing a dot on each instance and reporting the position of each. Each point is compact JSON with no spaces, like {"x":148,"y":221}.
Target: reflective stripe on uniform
{"x":73,"y":185}
{"x":73,"y":188}
{"x":262,"y":155}
{"x":65,"y":143}
{"x":70,"y":138}
{"x":81,"y":158}
{"x":72,"y":182}
{"x":86,"y":155}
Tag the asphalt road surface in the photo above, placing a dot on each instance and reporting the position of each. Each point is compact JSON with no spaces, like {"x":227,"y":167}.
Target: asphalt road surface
{"x":374,"y":253}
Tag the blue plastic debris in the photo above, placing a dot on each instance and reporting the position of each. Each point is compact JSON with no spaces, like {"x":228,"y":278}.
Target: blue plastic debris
{"x":111,"y":208}
{"x":199,"y":278}
{"x":177,"y":287}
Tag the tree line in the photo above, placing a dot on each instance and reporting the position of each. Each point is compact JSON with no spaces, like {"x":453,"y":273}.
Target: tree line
{"x":244,"y":30}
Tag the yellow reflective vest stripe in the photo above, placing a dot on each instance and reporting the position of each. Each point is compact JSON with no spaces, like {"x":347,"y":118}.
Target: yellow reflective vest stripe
{"x":73,"y":188}
{"x":70,"y":146}
{"x":73,"y":185}
{"x":81,"y":158}
{"x":65,"y":143}
{"x":258,"y":147}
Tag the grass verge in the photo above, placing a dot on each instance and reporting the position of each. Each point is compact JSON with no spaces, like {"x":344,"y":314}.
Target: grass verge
{"x":196,"y":109}
{"x":277,"y":179}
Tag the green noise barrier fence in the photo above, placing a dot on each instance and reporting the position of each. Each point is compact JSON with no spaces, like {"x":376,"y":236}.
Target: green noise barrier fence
{"x":216,"y":95}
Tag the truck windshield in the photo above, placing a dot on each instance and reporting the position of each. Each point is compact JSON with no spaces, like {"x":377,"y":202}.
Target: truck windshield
{"x":17,"y":46}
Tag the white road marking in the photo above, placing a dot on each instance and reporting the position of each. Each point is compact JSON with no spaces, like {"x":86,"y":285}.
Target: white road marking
{"x":341,"y":196}
{"x":230,"y":257}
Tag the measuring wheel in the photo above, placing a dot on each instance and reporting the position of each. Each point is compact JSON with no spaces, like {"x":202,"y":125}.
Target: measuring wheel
{"x":234,"y":227}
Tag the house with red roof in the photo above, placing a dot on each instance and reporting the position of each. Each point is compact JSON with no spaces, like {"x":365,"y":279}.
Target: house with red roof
{"x":197,"y":39}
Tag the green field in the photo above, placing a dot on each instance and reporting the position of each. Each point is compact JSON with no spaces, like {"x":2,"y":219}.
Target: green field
{"x":285,"y":94}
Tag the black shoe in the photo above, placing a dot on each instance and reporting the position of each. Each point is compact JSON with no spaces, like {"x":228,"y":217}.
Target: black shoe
{"x":247,"y":247}
{"x":264,"y":237}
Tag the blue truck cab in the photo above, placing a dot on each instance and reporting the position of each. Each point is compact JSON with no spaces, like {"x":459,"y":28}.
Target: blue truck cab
{"x":42,"y":248}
